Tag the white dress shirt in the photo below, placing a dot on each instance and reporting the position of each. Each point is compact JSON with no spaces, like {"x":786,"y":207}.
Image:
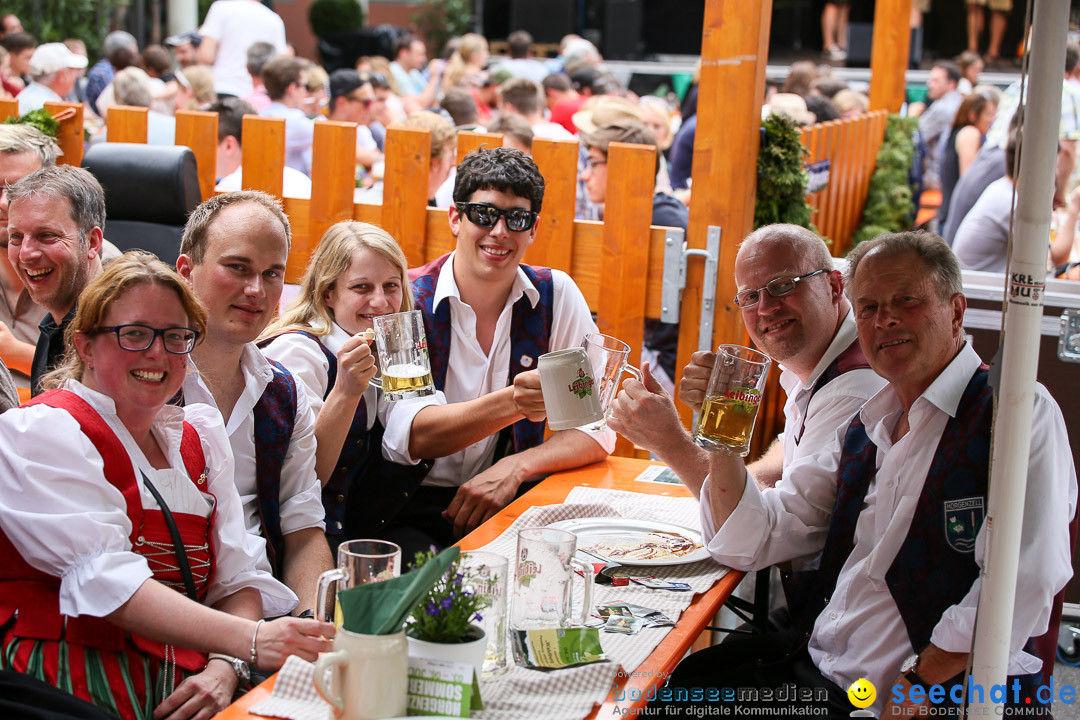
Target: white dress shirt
{"x":294,"y":184}
{"x":300,"y":492}
{"x":299,"y":135}
{"x":860,"y":633}
{"x":67,"y":520}
{"x":471,"y":373}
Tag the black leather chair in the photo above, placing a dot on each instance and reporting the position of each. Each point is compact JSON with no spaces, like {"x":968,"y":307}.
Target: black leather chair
{"x":149,"y":192}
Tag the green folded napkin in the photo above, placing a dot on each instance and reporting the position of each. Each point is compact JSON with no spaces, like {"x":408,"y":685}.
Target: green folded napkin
{"x":381,"y":608}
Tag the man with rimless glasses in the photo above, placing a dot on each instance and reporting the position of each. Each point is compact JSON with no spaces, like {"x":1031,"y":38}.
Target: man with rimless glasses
{"x":488,"y":317}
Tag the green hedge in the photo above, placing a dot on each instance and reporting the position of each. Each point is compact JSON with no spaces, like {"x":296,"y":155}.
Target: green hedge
{"x":782,"y":177}
{"x":889,"y":205}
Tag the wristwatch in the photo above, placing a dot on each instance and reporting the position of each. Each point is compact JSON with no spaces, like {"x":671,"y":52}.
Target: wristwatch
{"x":243,"y":672}
{"x":909,"y":669}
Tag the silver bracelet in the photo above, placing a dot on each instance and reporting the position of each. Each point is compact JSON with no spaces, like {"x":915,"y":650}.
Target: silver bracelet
{"x":254,"y":638}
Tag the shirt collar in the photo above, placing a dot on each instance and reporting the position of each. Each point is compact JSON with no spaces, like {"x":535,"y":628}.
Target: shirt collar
{"x":846,"y":334}
{"x":944,"y":392}
{"x":104,"y":404}
{"x":446,"y":286}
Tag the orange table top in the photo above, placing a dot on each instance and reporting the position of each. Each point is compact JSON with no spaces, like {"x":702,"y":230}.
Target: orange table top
{"x":615,"y":473}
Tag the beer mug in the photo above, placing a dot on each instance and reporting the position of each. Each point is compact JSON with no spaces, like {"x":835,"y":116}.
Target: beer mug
{"x":543,"y":582}
{"x":732,"y":398}
{"x":571,"y":395}
{"x":359,"y":562}
{"x":608,"y":358}
{"x":370,"y":676}
{"x":485,"y":575}
{"x":403,"y":356}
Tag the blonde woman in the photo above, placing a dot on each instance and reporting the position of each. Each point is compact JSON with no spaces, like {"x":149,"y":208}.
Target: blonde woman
{"x":357,"y":274}
{"x":466,"y":66}
{"x":123,"y":554}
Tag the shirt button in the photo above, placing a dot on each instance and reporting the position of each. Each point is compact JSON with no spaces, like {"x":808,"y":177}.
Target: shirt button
{"x":338,"y":525}
{"x":890,"y":483}
{"x":829,"y":658}
{"x":404,"y":494}
{"x":832,"y":616}
{"x":341,"y":498}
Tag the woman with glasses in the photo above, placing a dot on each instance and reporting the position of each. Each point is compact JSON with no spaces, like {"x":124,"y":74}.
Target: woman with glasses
{"x":357,"y":273}
{"x":123,"y":555}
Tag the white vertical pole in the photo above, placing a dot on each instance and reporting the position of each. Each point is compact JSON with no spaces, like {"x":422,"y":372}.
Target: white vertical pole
{"x":183,"y":16}
{"x":1020,"y":354}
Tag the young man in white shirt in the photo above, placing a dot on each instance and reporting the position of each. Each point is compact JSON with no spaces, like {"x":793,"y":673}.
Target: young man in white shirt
{"x":230,"y":170}
{"x":233,"y":254}
{"x":488,"y":318}
{"x":285,"y":84}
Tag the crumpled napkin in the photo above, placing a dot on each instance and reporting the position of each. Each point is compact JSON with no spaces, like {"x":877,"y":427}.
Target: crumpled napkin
{"x":294,"y":695}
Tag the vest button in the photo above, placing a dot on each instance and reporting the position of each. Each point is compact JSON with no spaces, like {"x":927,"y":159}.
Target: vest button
{"x":343,"y":468}
{"x":341,"y":498}
{"x":338,"y":525}
{"x":404,"y":494}
{"x":360,"y":443}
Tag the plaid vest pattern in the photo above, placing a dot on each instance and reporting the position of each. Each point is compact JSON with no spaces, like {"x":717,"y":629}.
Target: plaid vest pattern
{"x":275,"y":418}
{"x":530,"y":333}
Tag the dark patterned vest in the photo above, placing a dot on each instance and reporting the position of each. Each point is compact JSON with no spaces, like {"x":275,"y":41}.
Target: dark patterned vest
{"x":275,"y":418}
{"x":797,"y":585}
{"x":32,"y":597}
{"x":530,"y":333}
{"x":935,"y":567}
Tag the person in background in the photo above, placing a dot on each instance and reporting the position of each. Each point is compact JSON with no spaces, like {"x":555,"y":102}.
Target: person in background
{"x":834,"y":23}
{"x":352,"y":99}
{"x":78,"y":93}
{"x":54,"y":70}
{"x":230,"y":171}
{"x":520,"y":96}
{"x":102,"y":461}
{"x":131,"y":86}
{"x":443,"y":154}
{"x":10,"y":23}
{"x":410,"y":58}
{"x":258,"y":55}
{"x":976,"y":22}
{"x":935,"y":122}
{"x":120,"y":50}
{"x":316,"y":98}
{"x":849,"y":104}
{"x":200,"y":82}
{"x":522,"y":62}
{"x":230,"y":28}
{"x":185,"y":47}
{"x":971,"y":66}
{"x":284,"y":78}
{"x":461,"y":105}
{"x":515,"y":131}
{"x":20,"y":47}
{"x":562,"y":100}
{"x":467,"y":63}
{"x":973,"y":120}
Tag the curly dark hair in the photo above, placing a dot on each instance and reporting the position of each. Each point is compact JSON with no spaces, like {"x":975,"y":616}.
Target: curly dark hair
{"x":503,"y":169}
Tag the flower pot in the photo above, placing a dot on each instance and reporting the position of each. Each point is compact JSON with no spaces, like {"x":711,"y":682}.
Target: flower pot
{"x":471,"y":651}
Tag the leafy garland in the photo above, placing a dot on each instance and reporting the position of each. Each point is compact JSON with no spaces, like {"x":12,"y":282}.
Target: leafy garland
{"x":889,"y":206}
{"x":39,"y":119}
{"x":782,"y":176}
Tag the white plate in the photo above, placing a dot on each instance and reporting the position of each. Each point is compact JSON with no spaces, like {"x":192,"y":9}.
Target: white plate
{"x":589,"y":531}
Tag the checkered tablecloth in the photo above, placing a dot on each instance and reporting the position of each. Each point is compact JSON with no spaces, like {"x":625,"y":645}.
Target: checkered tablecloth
{"x":570,"y":693}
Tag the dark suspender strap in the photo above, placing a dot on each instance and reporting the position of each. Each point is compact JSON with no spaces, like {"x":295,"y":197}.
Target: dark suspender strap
{"x":177,"y":541}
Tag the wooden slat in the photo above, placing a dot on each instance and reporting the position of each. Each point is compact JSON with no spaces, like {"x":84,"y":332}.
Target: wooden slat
{"x":263,"y":155}
{"x":333,"y":179}
{"x":735,"y":45}
{"x":9,"y":108}
{"x":825,"y":226}
{"x":127,"y":124}
{"x":625,"y":252}
{"x":198,"y":130}
{"x":554,"y":244}
{"x":889,"y":54}
{"x":404,"y":214}
{"x":467,"y":141}
{"x":844,"y":153}
{"x":70,"y":135}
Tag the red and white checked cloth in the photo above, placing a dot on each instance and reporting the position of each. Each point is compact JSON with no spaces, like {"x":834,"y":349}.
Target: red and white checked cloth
{"x":294,"y":695}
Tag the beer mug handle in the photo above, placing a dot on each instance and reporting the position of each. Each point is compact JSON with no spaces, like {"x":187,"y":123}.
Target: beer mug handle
{"x":330,"y":576}
{"x":376,"y":382}
{"x":338,"y":659}
{"x":635,"y":372}
{"x":587,"y":574}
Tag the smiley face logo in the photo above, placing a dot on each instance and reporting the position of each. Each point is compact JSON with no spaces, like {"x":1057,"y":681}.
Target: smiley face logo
{"x":862,"y":693}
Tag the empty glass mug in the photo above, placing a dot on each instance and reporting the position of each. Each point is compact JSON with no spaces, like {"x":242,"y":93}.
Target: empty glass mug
{"x":608,"y":357}
{"x":359,"y":562}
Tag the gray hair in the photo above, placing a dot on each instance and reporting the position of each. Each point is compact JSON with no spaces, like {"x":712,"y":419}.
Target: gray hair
{"x":940,"y":261}
{"x":78,"y":185}
{"x":193,"y":244}
{"x":804,"y":243}
{"x":17,"y":139}
{"x":131,"y":86}
{"x":116,"y":40}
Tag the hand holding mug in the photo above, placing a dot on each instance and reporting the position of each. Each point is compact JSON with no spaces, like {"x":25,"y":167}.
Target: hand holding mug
{"x":528,"y":397}
{"x":695,"y":379}
{"x":356,"y":365}
{"x":286,"y":636}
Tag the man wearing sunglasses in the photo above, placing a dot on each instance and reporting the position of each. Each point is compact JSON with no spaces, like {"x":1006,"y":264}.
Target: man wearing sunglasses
{"x":488,"y":318}
{"x":352,"y":97}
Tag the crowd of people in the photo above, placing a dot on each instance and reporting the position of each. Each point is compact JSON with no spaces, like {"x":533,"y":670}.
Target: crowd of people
{"x":189,"y":461}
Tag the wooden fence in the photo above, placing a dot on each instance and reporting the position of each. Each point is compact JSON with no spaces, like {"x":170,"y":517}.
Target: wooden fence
{"x":618,"y":264}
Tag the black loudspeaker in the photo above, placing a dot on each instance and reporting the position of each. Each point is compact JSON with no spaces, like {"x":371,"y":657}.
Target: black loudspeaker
{"x":622,"y":29}
{"x":860,"y":38}
{"x":547,"y":20}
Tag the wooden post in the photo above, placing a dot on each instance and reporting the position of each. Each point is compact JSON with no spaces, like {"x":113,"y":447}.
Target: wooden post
{"x":70,"y":135}
{"x":9,"y":108}
{"x":127,"y":124}
{"x":734,"y":50}
{"x":889,"y":54}
{"x":333,"y":180}
{"x":404,"y":204}
{"x":467,"y":141}
{"x":263,"y":154}
{"x":624,"y":255}
{"x":198,"y":130}
{"x":554,"y":243}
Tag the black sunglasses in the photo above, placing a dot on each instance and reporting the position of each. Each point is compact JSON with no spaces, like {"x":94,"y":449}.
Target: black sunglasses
{"x":487,"y":216}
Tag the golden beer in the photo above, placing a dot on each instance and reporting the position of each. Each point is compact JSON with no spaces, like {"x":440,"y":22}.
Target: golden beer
{"x":407,"y":380}
{"x":727,"y":423}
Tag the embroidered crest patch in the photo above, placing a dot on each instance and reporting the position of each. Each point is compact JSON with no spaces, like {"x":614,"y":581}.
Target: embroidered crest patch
{"x":963,"y":518}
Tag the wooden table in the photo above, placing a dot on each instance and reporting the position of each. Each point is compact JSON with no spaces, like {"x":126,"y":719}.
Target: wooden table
{"x":615,"y":473}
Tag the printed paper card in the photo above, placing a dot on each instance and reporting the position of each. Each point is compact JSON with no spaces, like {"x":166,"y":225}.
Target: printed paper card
{"x":442,"y":687}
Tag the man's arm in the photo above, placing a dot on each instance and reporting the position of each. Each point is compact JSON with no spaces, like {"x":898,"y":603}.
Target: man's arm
{"x":307,"y":555}
{"x":207,"y":51}
{"x":769,"y":468}
{"x":935,"y":667}
{"x":492,"y":490}
{"x":16,"y":354}
{"x":645,"y":415}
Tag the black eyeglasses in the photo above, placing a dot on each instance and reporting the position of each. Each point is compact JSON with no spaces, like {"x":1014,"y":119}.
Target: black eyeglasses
{"x":778,"y":287}
{"x":487,"y":216}
{"x":177,"y":340}
{"x":589,"y":162}
{"x":366,"y":102}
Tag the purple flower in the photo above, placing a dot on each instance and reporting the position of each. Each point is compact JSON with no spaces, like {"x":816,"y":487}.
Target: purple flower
{"x":432,"y":609}
{"x":446,"y":603}
{"x":479,"y":617}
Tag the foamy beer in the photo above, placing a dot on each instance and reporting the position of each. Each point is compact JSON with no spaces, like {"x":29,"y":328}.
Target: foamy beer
{"x":732,"y":399}
{"x":403,"y":356}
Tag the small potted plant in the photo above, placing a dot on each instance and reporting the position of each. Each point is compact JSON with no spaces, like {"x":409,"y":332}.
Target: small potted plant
{"x":441,"y":626}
